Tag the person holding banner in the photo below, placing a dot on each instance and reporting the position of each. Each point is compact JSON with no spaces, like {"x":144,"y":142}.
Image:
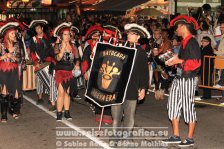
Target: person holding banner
{"x":111,"y":34}
{"x":183,"y":88}
{"x":135,"y":91}
{"x":42,"y":54}
{"x":10,"y":58}
{"x":66,"y":56}
{"x":92,"y":36}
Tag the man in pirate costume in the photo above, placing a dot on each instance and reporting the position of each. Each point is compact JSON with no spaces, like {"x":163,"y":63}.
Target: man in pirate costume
{"x":182,"y":90}
{"x":41,"y":51}
{"x":111,"y":34}
{"x":135,"y":91}
{"x":10,"y":58}
{"x":92,"y":37}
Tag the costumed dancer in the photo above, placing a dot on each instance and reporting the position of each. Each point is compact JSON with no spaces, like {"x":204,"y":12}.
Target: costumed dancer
{"x":111,"y":34}
{"x":10,"y":58}
{"x":66,"y":56}
{"x":41,"y":51}
{"x":80,"y":81}
{"x":182,"y":91}
{"x":135,"y":91}
{"x":92,"y":37}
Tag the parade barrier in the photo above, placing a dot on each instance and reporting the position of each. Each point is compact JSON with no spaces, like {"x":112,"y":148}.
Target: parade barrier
{"x":214,"y":63}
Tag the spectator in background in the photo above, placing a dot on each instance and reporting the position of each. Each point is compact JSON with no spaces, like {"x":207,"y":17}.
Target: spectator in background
{"x":206,"y":70}
{"x":205,"y":32}
{"x":166,"y":44}
{"x":176,"y":43}
{"x":220,"y":52}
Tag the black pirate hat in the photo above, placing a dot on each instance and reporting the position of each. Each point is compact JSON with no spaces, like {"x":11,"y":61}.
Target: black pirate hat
{"x":75,"y":29}
{"x":183,"y":19}
{"x":92,"y":30}
{"x":63,"y":26}
{"x":22,"y":25}
{"x":139,"y":30}
{"x":8,"y":26}
{"x":34,"y":23}
{"x":110,"y":29}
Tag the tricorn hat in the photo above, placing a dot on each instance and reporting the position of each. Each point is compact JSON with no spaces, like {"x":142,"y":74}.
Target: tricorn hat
{"x":110,"y":29}
{"x":139,"y":30}
{"x":92,"y":30}
{"x":60,"y":28}
{"x":75,"y":29}
{"x":183,"y":19}
{"x":8,"y":26}
{"x":34,"y":23}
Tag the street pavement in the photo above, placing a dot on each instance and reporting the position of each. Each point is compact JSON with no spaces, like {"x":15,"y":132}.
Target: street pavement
{"x":37,"y":128}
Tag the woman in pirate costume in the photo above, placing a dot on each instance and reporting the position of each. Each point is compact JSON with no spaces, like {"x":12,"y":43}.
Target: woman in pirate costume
{"x":41,"y":51}
{"x":10,"y":58}
{"x":66,"y":61}
{"x":182,"y":90}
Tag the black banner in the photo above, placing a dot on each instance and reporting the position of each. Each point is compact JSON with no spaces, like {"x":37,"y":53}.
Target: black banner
{"x":110,"y":73}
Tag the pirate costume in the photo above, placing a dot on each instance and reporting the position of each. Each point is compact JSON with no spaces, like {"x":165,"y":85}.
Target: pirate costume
{"x":113,"y":35}
{"x":80,"y":81}
{"x":88,"y":50}
{"x":10,"y":73}
{"x":183,"y":88}
{"x":139,"y":74}
{"x":64,"y":67}
{"x":41,"y":51}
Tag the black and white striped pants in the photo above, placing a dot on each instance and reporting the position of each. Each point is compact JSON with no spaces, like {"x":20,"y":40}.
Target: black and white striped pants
{"x":182,"y":98}
{"x":52,"y":89}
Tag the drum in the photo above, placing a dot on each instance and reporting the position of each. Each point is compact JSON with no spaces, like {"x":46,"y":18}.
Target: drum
{"x":29,"y":78}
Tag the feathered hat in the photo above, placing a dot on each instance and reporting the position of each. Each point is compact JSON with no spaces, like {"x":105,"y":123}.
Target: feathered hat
{"x":139,"y":30}
{"x":110,"y":29}
{"x":8,"y":26}
{"x":183,"y":19}
{"x":60,"y":28}
{"x":34,"y":23}
{"x":22,"y":25}
{"x":75,"y":29}
{"x":92,"y":30}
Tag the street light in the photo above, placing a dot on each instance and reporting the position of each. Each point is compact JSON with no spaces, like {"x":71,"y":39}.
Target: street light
{"x":8,"y":4}
{"x":25,"y":1}
{"x":46,"y":2}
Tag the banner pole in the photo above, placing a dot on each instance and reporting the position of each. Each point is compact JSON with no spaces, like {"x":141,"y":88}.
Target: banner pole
{"x":100,"y":124}
{"x":101,"y":119}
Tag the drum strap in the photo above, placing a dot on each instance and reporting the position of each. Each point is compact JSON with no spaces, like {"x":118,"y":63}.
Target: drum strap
{"x":35,"y":41}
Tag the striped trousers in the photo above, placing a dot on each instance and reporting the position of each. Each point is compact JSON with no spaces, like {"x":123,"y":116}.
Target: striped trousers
{"x":52,"y":91}
{"x":181,"y":98}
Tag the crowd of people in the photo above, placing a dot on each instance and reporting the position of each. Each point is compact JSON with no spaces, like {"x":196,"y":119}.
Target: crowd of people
{"x":62,"y":55}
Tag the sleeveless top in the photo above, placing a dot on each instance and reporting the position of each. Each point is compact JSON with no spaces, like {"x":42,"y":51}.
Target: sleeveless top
{"x":67,"y":61}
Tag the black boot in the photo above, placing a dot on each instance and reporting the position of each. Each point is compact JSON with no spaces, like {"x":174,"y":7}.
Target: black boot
{"x":4,"y":107}
{"x":15,"y":106}
{"x":59,"y":116}
{"x":67,"y":115}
